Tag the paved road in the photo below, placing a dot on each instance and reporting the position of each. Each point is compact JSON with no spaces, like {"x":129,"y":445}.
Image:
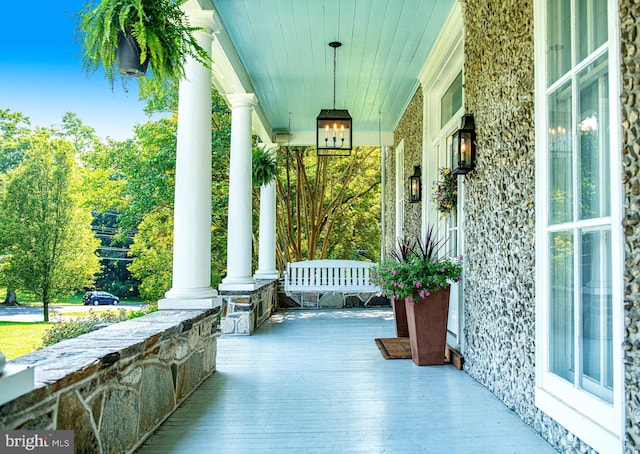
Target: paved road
{"x":34,"y":313}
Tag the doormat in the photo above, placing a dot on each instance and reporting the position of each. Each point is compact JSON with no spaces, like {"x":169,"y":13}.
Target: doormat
{"x":394,"y":347}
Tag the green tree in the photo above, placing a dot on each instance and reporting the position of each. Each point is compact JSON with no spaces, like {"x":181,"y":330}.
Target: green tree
{"x":328,"y":207}
{"x":14,"y":127}
{"x":47,"y":243}
{"x":140,"y":175}
{"x":152,"y":249}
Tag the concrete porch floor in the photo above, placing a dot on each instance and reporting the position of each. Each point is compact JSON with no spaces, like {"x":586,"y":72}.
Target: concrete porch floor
{"x":315,"y":382}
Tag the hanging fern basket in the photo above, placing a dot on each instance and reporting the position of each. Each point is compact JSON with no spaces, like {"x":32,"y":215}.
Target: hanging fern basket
{"x":128,"y":56}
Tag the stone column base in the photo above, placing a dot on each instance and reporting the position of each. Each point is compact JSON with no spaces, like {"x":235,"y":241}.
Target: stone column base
{"x":245,"y":311}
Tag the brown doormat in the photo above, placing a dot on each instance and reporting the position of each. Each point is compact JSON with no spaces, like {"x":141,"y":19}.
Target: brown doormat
{"x":394,"y":347}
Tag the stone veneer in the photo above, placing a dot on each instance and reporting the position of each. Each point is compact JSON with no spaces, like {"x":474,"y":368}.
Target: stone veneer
{"x":410,"y":129}
{"x":113,"y":387}
{"x":245,"y":311}
{"x":630,"y":85}
{"x":500,"y":210}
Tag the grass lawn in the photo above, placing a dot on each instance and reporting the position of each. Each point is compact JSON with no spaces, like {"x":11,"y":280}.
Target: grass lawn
{"x":18,"y":338}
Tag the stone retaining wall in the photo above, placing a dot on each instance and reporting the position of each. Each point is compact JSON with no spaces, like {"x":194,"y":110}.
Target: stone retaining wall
{"x":113,"y":387}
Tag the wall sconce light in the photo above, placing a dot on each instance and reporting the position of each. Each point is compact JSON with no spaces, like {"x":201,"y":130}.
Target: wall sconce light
{"x":415,"y":185}
{"x":463,"y":148}
{"x":333,"y":131}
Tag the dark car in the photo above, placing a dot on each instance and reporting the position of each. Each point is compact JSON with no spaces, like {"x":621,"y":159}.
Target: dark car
{"x":96,"y":298}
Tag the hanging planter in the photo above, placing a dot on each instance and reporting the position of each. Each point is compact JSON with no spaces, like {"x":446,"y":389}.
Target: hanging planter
{"x":128,"y":56}
{"x":163,"y":37}
{"x":445,"y":192}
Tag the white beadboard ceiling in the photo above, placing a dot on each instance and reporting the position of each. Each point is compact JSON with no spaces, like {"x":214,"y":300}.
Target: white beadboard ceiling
{"x":280,"y":50}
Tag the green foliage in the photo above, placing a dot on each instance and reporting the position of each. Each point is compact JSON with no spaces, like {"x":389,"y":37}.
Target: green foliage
{"x":153,"y":252}
{"x":70,"y":329}
{"x":14,"y":128}
{"x":160,"y":27}
{"x":415,"y":270}
{"x":45,"y":232}
{"x":445,"y":191}
{"x":328,"y":207}
{"x":264,"y":167}
{"x":114,"y":274}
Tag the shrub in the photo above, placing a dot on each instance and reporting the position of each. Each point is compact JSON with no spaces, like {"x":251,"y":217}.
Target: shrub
{"x":69,"y":329}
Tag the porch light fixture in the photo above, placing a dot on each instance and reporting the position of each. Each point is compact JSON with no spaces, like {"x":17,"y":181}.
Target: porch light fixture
{"x":333,"y":131}
{"x":415,"y":185}
{"x":463,"y":149}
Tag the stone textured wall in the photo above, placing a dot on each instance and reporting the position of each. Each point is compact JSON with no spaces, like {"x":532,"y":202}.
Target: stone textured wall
{"x":630,"y":59}
{"x":500,"y":210}
{"x":389,"y":198}
{"x":410,"y":129}
{"x":245,"y":311}
{"x":114,"y":386}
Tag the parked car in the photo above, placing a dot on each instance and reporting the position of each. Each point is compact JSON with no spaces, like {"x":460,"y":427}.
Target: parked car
{"x":96,"y":298}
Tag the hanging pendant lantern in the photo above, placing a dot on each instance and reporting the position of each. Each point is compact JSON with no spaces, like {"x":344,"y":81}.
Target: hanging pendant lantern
{"x":333,"y":126}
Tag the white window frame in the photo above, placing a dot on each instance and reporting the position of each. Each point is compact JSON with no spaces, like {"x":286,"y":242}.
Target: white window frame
{"x":399,"y":233}
{"x":596,"y":422}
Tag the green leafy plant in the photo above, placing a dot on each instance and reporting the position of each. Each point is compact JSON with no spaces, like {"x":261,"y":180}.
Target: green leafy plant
{"x":264,"y":166}
{"x":415,"y":270}
{"x":70,"y":329}
{"x":160,"y":27}
{"x":445,"y":191}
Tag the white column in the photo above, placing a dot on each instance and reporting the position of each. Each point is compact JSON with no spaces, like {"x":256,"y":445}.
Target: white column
{"x":191,"y":286}
{"x":239,"y":240}
{"x":267,"y":235}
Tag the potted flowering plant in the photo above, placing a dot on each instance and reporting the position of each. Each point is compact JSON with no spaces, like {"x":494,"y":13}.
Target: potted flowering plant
{"x":384,"y":275}
{"x":422,"y":280}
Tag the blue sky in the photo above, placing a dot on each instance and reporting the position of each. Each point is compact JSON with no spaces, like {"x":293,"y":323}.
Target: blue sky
{"x":41,"y":73}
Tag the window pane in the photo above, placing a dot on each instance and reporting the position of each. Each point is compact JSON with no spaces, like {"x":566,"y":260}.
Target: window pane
{"x":592,"y":26}
{"x":561,"y":299}
{"x":595,"y":290}
{"x":560,"y":156}
{"x":593,"y":137}
{"x":451,"y":101}
{"x":558,"y":39}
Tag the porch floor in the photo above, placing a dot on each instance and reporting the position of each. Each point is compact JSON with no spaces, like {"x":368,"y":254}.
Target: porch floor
{"x":315,"y":382}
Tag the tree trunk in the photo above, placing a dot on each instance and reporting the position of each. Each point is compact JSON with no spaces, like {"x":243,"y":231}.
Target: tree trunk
{"x":11,"y":299}
{"x":45,"y":304}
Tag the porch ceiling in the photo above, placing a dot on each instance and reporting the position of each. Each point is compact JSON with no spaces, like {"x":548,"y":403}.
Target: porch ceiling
{"x":279,"y":50}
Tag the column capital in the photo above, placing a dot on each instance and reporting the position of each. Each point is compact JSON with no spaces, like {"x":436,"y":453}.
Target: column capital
{"x":242,"y":99}
{"x":203,"y":20}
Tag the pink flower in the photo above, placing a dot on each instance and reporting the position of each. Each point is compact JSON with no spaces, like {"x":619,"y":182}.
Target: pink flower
{"x":428,"y":294}
{"x":393,"y":272}
{"x":441,"y":284}
{"x":442,"y":270}
{"x":418,"y":284}
{"x":422,"y":294}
